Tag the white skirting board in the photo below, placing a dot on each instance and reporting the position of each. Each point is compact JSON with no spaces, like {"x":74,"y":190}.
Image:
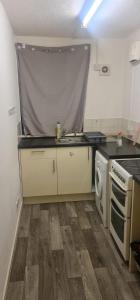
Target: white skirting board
{"x":12,"y":252}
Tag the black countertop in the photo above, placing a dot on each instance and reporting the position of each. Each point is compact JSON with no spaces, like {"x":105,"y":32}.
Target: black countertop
{"x":112,"y":151}
{"x":48,"y":142}
{"x":109,"y":149}
{"x":137,"y":178}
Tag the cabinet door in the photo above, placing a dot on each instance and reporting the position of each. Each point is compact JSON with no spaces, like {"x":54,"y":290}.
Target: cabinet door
{"x":74,"y":170}
{"x":39,"y":176}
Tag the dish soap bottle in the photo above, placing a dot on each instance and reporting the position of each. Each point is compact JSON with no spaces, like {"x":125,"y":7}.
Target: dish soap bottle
{"x":58,"y":131}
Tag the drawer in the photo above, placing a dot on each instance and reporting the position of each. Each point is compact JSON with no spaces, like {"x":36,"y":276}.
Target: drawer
{"x":74,"y":152}
{"x":43,"y":153}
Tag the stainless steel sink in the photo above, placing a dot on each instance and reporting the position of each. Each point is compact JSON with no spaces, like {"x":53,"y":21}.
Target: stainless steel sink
{"x":71,"y":140}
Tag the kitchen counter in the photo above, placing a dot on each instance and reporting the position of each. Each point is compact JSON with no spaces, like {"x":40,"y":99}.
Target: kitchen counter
{"x":112,"y":151}
{"x":48,"y":142}
{"x":109,"y":149}
{"x":137,"y":178}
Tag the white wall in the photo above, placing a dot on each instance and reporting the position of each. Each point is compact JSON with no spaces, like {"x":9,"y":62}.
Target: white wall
{"x":131,"y":108}
{"x":104,"y":94}
{"x":9,"y":170}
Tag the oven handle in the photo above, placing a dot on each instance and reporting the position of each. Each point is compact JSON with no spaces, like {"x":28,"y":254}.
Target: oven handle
{"x":123,"y":218}
{"x":124,"y":192}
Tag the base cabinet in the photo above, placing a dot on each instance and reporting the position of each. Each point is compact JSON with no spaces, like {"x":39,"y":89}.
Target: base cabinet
{"x":74,"y":170}
{"x":56,"y":171}
{"x":39,"y":172}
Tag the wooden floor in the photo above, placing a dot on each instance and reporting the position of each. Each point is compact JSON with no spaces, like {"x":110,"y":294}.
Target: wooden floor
{"x":64,"y":253}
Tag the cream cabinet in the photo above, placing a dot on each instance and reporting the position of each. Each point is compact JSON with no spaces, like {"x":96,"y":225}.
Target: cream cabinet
{"x":56,"y":171}
{"x":74,"y":166}
{"x":39,"y":172}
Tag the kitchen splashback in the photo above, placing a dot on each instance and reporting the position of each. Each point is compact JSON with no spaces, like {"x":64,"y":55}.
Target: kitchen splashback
{"x":107,"y":126}
{"x":113,"y":126}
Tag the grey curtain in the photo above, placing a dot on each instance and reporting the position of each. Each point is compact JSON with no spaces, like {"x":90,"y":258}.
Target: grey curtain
{"x":52,"y":87}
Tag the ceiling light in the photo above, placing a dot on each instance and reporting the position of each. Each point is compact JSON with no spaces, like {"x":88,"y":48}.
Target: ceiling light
{"x":91,"y":12}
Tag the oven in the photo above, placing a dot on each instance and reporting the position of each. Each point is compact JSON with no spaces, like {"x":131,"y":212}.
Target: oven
{"x":121,"y":196}
{"x":120,"y":229}
{"x":120,"y":210}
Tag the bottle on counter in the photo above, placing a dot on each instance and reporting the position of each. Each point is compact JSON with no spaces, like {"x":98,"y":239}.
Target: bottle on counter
{"x":58,"y":130}
{"x":119,"y":139}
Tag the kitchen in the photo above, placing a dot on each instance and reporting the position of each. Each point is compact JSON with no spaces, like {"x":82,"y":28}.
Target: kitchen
{"x":56,"y":241}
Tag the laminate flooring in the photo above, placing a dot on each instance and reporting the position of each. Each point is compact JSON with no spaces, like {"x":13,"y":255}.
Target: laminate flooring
{"x":63,"y":252}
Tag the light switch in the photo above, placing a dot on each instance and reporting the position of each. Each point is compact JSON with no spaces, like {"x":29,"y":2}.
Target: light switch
{"x":12,"y":111}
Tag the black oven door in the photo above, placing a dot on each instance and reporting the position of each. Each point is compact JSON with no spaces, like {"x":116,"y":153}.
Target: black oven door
{"x":119,"y":193}
{"x":118,"y":221}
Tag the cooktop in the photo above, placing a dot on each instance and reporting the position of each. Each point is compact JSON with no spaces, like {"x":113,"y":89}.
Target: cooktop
{"x":132,"y":166}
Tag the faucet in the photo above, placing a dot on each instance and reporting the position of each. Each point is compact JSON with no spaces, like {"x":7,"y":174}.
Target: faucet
{"x":64,"y":132}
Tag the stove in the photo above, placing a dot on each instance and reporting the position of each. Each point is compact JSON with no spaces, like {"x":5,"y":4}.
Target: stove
{"x":132,"y":166}
{"x":123,"y":171}
{"x":121,"y":189}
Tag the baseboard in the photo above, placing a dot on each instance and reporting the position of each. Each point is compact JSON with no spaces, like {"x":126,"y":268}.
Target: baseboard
{"x":12,"y":253}
{"x":58,"y":198}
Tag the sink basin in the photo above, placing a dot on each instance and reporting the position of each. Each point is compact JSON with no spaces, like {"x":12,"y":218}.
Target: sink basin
{"x":71,"y":140}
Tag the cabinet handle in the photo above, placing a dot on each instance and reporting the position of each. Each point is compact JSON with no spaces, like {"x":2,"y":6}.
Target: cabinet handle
{"x":88,"y":153}
{"x":53,"y":166}
{"x":37,"y":151}
{"x":71,"y":153}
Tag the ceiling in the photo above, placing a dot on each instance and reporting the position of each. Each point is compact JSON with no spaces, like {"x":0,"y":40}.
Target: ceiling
{"x":55,"y":18}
